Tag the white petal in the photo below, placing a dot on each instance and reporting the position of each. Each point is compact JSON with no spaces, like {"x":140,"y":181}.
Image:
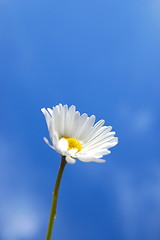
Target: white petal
{"x":100,"y":142}
{"x":48,"y":143}
{"x":98,"y":153}
{"x":90,"y":159}
{"x":98,"y":135}
{"x":103,"y":152}
{"x":52,"y":132}
{"x":100,"y":139}
{"x":94,"y":130}
{"x":56,"y":119}
{"x":62,"y":146}
{"x":99,"y":160}
{"x":74,"y":127}
{"x":70,"y":160}
{"x":80,"y":124}
{"x":103,"y":144}
{"x":87,"y":127}
{"x":70,"y":120}
{"x":61,"y":122}
{"x":72,"y":152}
{"x":47,"y":116}
{"x":50,"y":111}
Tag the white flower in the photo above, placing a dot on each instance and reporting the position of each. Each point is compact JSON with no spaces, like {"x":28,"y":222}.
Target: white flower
{"x":76,"y":136}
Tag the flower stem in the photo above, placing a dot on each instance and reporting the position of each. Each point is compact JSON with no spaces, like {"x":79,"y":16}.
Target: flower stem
{"x":54,"y":199}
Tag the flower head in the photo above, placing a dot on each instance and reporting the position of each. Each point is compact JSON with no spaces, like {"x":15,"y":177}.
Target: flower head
{"x":76,"y":136}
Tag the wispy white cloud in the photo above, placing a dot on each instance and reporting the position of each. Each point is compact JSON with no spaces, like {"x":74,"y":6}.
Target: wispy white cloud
{"x":19,"y":216}
{"x":137,"y":120}
{"x":20,"y":220}
{"x":142,"y":120}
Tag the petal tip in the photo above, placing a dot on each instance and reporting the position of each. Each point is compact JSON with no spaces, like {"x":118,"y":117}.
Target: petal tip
{"x":70,"y":160}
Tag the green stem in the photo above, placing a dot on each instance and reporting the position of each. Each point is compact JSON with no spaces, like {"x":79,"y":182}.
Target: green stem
{"x":54,"y":199}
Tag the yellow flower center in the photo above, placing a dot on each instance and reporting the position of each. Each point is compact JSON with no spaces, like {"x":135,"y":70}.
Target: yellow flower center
{"x":73,"y":143}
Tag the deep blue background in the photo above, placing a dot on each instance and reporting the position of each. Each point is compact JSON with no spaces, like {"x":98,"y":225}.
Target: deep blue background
{"x":103,"y":57}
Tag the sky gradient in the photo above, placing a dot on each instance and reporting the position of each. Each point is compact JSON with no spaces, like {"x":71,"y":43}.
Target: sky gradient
{"x":103,"y":57}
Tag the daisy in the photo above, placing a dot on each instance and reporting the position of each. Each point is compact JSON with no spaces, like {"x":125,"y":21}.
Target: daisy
{"x":74,"y":135}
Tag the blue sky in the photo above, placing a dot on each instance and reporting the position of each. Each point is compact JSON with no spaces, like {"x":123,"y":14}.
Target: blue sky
{"x":103,"y":57}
